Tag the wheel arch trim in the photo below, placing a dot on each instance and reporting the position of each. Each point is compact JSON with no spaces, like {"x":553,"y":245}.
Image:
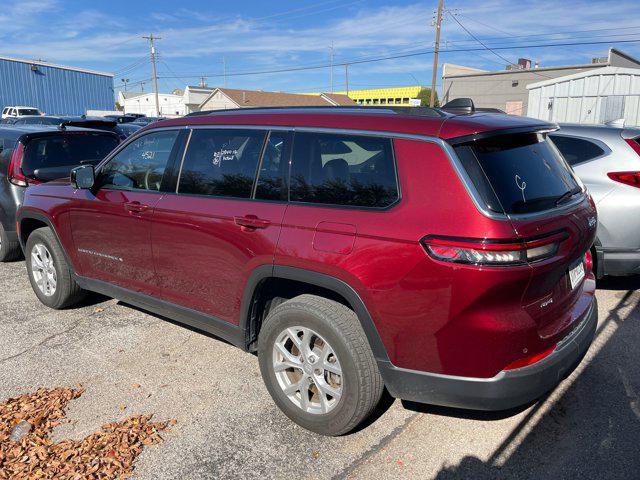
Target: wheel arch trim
{"x":261,"y":273}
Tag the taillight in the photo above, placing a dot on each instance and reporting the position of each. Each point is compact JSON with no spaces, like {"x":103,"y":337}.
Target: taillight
{"x":628,"y":178}
{"x":588,"y":260}
{"x":14,"y":174}
{"x":530,"y":359}
{"x":484,"y":252}
{"x":633,"y":143}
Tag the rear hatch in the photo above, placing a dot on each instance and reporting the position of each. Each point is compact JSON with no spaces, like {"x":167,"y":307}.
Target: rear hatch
{"x":523,"y":176}
{"x":52,"y":155}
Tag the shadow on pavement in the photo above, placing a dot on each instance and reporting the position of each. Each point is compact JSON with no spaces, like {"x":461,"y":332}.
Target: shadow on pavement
{"x":592,"y":430}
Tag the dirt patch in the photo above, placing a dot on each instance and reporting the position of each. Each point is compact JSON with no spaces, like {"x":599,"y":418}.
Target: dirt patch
{"x":26,"y":452}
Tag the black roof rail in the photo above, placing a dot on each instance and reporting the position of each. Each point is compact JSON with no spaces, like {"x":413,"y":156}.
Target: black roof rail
{"x":390,"y":109}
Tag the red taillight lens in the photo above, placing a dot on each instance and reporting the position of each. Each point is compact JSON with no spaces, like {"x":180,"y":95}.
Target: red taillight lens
{"x":633,"y":143}
{"x":588,"y":260}
{"x":530,"y":359}
{"x":14,"y":173}
{"x":492,"y":253}
{"x":628,"y":178}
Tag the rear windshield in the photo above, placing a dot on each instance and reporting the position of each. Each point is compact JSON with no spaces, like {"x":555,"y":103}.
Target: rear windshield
{"x":28,"y":111}
{"x":520,"y":173}
{"x":68,"y":149}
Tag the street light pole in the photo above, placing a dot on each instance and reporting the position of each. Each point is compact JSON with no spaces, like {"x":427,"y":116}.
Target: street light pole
{"x":432,"y":101}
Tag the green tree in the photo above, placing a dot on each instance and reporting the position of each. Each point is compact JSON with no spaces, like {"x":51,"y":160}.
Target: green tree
{"x":425,"y":97}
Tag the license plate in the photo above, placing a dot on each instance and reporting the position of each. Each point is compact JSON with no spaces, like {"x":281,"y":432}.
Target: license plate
{"x":576,"y":274}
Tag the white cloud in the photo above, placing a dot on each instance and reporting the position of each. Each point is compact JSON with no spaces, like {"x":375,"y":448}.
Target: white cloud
{"x":194,"y":40}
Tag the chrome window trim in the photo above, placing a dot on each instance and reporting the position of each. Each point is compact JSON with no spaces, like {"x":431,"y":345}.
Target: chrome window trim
{"x":446,"y":147}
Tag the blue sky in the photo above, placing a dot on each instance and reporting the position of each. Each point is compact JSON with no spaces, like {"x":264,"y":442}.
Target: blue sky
{"x":254,"y":36}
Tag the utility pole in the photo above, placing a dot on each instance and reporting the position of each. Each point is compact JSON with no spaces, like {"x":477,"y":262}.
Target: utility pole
{"x":151,"y":38}
{"x":331,"y":61}
{"x":346,"y":75}
{"x":203,"y":82}
{"x":125,"y":81}
{"x":432,"y":101}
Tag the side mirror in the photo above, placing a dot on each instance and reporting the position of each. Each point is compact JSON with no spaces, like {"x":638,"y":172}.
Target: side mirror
{"x":83,"y":177}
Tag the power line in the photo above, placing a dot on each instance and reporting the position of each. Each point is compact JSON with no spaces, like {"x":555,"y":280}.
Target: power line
{"x":509,"y":62}
{"x":406,"y":55}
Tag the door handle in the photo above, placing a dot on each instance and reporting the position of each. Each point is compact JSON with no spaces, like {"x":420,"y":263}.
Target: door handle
{"x":251,"y":222}
{"x":136,"y":207}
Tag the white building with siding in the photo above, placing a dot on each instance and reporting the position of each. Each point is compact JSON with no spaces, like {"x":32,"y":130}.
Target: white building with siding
{"x":590,"y":97}
{"x":171,"y":105}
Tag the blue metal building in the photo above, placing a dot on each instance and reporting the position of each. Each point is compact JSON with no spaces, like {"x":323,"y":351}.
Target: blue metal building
{"x":54,"y":89}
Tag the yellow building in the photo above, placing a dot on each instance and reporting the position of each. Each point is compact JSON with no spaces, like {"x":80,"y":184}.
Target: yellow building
{"x":386,"y":96}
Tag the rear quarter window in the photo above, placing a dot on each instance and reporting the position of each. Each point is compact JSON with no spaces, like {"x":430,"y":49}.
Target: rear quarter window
{"x":348,"y":170}
{"x":576,"y":150}
{"x":518,"y":174}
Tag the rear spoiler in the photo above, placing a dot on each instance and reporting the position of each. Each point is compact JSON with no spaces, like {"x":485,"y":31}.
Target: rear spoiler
{"x":97,"y":124}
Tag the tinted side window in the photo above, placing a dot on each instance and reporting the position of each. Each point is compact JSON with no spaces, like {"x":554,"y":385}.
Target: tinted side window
{"x":576,"y":150}
{"x":343,"y":170}
{"x":221,"y":162}
{"x":274,"y":167}
{"x":141,"y":164}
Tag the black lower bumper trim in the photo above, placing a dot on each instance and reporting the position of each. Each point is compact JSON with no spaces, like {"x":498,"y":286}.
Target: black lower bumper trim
{"x":508,"y":389}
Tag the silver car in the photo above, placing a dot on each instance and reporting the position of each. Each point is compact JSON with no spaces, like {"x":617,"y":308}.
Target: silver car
{"x":607,"y":160}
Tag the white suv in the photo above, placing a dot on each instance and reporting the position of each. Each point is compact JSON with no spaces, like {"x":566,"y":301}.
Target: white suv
{"x":18,"y":111}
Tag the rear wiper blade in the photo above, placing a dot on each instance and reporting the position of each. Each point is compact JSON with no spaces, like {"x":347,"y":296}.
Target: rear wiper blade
{"x":567,"y":195}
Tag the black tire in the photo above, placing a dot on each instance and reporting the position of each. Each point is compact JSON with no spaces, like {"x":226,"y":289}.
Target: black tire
{"x":361,"y":383}
{"x":67,"y":292}
{"x":9,"y":250}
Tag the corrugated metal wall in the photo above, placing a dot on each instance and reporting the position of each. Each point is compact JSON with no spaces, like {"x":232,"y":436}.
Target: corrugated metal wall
{"x":54,"y":90}
{"x":600,"y":97}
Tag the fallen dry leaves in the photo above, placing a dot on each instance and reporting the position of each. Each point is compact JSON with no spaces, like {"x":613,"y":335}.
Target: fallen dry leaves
{"x":107,"y":454}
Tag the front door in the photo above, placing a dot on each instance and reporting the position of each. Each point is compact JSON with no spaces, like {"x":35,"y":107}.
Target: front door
{"x":111,"y":224}
{"x":222,"y":223}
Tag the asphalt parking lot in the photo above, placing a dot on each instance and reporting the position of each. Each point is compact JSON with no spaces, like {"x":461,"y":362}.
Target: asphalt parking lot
{"x":131,"y":363}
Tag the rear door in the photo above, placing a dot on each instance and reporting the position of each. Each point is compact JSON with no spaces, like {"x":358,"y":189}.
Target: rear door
{"x":111,"y":224}
{"x":339,"y":184}
{"x":220,"y":224}
{"x":524,"y":176}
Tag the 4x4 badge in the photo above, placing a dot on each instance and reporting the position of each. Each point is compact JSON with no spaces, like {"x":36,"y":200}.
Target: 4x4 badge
{"x":592,"y":222}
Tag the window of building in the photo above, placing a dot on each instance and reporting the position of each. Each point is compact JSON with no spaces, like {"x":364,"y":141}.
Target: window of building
{"x":221,"y":163}
{"x":343,"y":170}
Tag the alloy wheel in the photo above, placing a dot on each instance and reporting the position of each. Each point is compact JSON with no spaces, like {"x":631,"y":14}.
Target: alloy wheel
{"x":308,"y":370}
{"x":43,"y":269}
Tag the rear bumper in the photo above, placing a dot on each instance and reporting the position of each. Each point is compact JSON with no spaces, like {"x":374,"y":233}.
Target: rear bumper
{"x":619,"y":262}
{"x":508,"y":389}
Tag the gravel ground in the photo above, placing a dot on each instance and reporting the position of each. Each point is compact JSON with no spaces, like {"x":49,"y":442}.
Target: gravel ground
{"x":131,"y":363}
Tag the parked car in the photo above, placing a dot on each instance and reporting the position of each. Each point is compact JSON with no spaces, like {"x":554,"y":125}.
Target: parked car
{"x":18,"y":111}
{"x":123,"y":130}
{"x":443,"y":257}
{"x":124,"y":118}
{"x":30,"y":155}
{"x":607,"y":160}
{"x":143,"y":121}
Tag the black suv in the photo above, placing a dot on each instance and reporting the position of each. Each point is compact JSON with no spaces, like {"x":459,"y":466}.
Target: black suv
{"x":123,"y":130}
{"x":33,"y":154}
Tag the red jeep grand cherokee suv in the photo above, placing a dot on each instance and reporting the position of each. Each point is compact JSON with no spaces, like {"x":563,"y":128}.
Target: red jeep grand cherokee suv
{"x":442,"y":256}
